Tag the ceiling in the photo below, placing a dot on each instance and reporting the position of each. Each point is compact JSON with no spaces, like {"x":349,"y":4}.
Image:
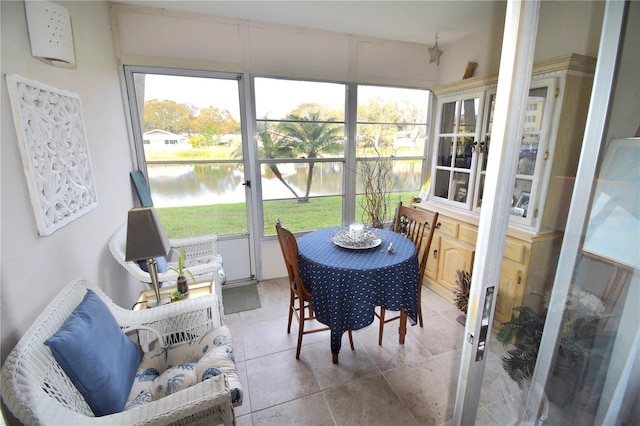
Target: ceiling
{"x":410,"y":21}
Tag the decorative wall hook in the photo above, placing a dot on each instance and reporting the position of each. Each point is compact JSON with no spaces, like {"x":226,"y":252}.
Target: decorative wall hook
{"x":435,"y":53}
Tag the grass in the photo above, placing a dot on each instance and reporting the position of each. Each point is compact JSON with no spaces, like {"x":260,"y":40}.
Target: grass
{"x":223,"y":219}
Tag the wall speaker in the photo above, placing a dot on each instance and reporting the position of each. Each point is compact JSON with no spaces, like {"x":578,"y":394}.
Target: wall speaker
{"x":50,"y":33}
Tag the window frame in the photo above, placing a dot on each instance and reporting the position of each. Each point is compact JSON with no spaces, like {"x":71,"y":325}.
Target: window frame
{"x":250,"y":121}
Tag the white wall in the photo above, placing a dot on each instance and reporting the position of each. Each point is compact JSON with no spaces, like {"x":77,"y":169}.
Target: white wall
{"x":235,"y":45}
{"x":563,"y":27}
{"x":35,"y":268}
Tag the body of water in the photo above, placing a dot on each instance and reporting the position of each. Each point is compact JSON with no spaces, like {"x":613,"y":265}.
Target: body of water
{"x":206,"y":184}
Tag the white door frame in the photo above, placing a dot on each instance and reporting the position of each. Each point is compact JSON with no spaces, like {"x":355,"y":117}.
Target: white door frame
{"x":580,"y":205}
{"x":238,"y":250}
{"x":521,"y":23}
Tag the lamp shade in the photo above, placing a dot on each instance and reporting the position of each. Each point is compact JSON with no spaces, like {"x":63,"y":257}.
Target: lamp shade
{"x":145,"y":237}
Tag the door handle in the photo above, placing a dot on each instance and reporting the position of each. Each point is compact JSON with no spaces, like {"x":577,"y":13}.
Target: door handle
{"x":484,"y":324}
{"x":435,"y":253}
{"x":247,"y":183}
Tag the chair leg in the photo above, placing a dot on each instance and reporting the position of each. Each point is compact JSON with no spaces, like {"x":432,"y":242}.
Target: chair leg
{"x":351,"y":340}
{"x":420,"y":305}
{"x":292,"y":306}
{"x":382,"y":312}
{"x":300,"y":333}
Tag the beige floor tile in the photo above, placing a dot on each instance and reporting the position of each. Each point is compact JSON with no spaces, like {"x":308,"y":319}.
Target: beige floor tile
{"x":390,"y":384}
{"x":269,"y":309}
{"x":428,"y":392}
{"x":237,"y":336}
{"x":311,"y":410}
{"x":352,"y":364}
{"x":438,"y":335}
{"x":508,"y":411}
{"x":245,"y":408}
{"x":453,"y":316}
{"x":369,"y":401}
{"x":483,"y":418}
{"x":496,"y":384}
{"x":432,"y":301}
{"x":278,"y":378}
{"x":270,"y":335}
{"x":245,"y":420}
{"x":392,"y":354}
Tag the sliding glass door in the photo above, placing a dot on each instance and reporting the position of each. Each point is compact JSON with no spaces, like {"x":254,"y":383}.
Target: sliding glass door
{"x":191,"y":144}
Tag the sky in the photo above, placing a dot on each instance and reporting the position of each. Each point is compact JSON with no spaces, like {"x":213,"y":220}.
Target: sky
{"x":203,"y":92}
{"x":275,"y":98}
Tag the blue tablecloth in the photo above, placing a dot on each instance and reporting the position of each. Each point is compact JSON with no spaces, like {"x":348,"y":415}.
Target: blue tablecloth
{"x":348,"y":284}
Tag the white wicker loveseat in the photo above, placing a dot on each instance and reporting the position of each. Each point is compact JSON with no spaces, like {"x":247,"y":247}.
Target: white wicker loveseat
{"x":38,"y":391}
{"x":201,"y":258}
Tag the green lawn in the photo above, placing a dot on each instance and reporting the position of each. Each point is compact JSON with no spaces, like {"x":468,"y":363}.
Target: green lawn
{"x":221,"y":219}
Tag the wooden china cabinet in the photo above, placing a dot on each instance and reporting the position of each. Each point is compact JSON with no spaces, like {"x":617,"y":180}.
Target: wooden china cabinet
{"x":549,"y":149}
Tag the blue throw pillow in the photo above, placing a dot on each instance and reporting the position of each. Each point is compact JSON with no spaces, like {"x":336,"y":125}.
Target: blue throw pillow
{"x":98,"y":357}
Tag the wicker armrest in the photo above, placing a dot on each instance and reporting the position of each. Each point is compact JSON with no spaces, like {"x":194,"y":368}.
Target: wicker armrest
{"x":174,"y":322}
{"x":177,"y":322}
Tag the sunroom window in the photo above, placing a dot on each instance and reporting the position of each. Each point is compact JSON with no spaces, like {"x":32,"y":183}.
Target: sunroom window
{"x":391,"y":133}
{"x":300,"y":133}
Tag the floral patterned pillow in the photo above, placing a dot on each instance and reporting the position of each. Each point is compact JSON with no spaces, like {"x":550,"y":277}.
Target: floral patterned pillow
{"x":176,"y":367}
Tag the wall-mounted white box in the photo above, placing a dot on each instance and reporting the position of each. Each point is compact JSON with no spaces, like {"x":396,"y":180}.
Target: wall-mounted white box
{"x":50,"y":33}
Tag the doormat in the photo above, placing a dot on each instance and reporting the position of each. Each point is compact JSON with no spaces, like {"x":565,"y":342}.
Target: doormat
{"x":241,"y":298}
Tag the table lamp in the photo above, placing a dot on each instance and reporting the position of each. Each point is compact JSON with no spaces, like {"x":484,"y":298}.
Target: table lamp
{"x":146,"y":240}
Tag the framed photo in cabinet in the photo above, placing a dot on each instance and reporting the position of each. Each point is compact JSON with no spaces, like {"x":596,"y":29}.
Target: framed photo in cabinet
{"x":523,"y":201}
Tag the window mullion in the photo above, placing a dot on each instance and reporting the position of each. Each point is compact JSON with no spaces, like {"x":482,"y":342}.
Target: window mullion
{"x":351,"y":167}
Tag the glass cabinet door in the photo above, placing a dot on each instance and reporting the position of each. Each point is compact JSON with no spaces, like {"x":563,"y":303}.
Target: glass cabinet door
{"x":532,"y":151}
{"x":454,"y":156}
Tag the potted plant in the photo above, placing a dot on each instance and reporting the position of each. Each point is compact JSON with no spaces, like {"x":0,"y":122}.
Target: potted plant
{"x":181,"y":281}
{"x":377,"y":183}
{"x":582,"y":351}
{"x":461,"y":293}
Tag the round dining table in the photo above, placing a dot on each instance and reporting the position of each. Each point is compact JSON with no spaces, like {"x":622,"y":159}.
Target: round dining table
{"x":348,"y":283}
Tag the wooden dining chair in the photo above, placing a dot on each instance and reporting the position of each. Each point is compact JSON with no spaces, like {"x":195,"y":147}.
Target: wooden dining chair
{"x":300,"y":303}
{"x":418,"y":226}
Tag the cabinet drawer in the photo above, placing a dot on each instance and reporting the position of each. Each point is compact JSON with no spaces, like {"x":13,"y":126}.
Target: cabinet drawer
{"x":468,"y":234}
{"x":448,"y":227}
{"x":514,"y":251}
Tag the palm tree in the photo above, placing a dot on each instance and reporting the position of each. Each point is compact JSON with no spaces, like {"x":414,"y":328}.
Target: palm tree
{"x":310,"y":137}
{"x":274,"y":149}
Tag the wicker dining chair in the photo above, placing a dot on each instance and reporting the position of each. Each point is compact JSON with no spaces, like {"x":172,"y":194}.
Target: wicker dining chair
{"x":419,"y":226}
{"x":300,"y":303}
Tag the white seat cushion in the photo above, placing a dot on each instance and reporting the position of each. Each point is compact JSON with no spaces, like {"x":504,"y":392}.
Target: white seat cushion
{"x":176,"y":367}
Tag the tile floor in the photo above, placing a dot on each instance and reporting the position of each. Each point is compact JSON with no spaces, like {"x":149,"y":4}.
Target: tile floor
{"x":392,"y":384}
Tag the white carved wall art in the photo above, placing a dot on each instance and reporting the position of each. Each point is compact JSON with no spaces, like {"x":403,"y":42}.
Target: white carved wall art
{"x":55,"y":155}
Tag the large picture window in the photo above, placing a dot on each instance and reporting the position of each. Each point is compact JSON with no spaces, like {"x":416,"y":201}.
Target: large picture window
{"x":312,"y":151}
